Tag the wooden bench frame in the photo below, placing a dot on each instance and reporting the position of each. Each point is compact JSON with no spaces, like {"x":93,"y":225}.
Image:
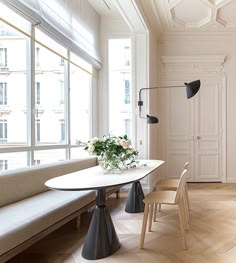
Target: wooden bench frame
{"x":21,"y":247}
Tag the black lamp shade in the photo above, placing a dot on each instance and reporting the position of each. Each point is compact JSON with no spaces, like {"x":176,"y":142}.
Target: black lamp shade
{"x":192,"y":88}
{"x":152,"y":119}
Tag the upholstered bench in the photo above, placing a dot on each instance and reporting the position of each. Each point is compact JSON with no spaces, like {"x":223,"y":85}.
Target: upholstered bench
{"x":29,"y":210}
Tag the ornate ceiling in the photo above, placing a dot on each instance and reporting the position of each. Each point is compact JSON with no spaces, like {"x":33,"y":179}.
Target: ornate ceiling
{"x":176,"y":15}
{"x":184,"y":15}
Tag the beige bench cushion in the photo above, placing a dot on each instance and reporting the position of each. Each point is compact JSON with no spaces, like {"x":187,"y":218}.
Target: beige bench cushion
{"x":24,"y":219}
{"x":16,"y":185}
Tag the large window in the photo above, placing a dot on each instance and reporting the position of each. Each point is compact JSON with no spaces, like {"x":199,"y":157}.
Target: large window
{"x":120,"y":93}
{"x":41,"y":120}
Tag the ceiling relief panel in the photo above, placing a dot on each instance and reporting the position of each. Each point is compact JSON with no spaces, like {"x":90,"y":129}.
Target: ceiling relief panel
{"x":195,"y":14}
{"x":226,"y":15}
{"x":180,"y":13}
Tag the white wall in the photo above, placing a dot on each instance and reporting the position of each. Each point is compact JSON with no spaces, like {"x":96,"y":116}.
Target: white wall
{"x":206,"y":45}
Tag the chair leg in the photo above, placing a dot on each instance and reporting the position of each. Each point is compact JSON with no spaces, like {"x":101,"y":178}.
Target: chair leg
{"x":182,"y":224}
{"x":155,"y":213}
{"x":186,"y":212}
{"x":150,"y":218}
{"x":186,"y":195}
{"x":144,"y":225}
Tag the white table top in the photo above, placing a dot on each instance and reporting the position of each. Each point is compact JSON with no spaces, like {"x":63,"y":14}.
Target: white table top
{"x":95,"y":177}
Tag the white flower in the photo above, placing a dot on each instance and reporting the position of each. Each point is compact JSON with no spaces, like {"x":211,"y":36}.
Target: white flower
{"x":124,"y":144}
{"x":130,"y":150}
{"x":94,"y":140}
{"x":91,"y":148}
{"x":118,"y":141}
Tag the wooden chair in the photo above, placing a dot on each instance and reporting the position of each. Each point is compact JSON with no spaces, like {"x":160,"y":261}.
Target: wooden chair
{"x":169,"y":198}
{"x":171,"y":184}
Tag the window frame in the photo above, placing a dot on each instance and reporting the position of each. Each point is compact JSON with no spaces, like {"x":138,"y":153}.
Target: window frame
{"x":31,"y":145}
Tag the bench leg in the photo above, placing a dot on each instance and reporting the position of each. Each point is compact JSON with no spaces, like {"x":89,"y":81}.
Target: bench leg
{"x":118,"y":194}
{"x":77,"y":222}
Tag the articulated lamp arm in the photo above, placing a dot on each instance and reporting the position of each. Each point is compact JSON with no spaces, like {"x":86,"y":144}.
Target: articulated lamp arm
{"x":191,"y":89}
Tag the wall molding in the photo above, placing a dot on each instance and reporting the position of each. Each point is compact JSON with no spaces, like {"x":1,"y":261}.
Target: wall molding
{"x":193,"y":59}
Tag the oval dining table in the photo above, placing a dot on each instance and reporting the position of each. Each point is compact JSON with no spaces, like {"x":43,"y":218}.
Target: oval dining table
{"x":102,"y":240}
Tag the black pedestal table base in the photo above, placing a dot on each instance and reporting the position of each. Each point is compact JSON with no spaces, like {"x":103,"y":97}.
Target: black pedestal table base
{"x":135,"y":202}
{"x":101,"y":240}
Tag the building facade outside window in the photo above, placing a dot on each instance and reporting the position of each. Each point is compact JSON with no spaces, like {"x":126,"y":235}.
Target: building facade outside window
{"x":3,"y":165}
{"x":57,"y":103}
{"x":3,"y":57}
{"x":37,"y":56}
{"x":127,"y":92}
{"x":37,"y":130}
{"x":63,"y":130}
{"x":3,"y":131}
{"x":120,"y":92}
{"x":3,"y":93}
{"x":37,"y":93}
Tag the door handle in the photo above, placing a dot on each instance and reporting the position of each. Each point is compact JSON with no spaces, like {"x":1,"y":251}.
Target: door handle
{"x":198,"y":137}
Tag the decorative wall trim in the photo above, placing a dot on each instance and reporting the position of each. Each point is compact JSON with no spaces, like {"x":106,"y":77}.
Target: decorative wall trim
{"x":193,"y":59}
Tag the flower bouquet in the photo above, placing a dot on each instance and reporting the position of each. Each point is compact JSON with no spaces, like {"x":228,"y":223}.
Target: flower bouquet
{"x":113,"y":152}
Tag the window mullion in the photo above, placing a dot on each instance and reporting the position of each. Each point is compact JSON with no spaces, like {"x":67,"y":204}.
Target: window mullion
{"x":67,"y":107}
{"x":31,"y":100}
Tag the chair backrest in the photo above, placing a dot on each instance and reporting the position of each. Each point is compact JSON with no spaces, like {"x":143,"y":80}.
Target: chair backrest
{"x":186,"y":165}
{"x":181,"y":185}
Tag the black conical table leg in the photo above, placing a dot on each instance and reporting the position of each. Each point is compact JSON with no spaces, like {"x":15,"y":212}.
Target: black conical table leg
{"x":101,"y":240}
{"x":135,"y":202}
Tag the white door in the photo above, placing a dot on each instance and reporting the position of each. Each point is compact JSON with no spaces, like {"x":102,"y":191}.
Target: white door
{"x":193,"y":133}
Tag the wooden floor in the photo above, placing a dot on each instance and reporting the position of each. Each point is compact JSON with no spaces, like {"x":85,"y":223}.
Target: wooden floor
{"x":211,"y":238}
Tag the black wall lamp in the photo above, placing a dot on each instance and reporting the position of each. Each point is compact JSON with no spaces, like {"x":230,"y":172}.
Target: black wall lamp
{"x":191,"y":89}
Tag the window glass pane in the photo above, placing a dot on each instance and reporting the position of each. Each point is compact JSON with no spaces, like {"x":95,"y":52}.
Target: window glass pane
{"x":49,"y":156}
{"x":15,"y":19}
{"x":13,"y":160}
{"x":79,"y":101}
{"x":51,"y":44}
{"x":49,"y":96}
{"x":14,"y":83}
{"x":79,"y":153}
{"x":81,"y":63}
{"x":120,"y":107}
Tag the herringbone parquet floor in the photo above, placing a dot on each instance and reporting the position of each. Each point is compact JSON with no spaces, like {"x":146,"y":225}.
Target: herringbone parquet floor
{"x":211,"y":238}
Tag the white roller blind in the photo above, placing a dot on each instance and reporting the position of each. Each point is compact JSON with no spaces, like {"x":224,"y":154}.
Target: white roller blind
{"x":59,"y":24}
{"x":21,"y":23}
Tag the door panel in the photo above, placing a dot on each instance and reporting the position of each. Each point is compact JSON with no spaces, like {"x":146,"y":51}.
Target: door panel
{"x":179,"y":139}
{"x":193,"y":133}
{"x":207,"y":134}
